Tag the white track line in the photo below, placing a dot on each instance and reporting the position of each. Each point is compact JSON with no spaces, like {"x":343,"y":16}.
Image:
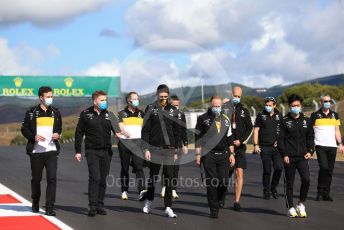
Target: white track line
{"x":24,"y":208}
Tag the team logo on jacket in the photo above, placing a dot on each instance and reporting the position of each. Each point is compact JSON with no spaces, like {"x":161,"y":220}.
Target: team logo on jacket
{"x":304,"y":124}
{"x":264,"y":117}
{"x":107,"y":116}
{"x":155,"y":112}
{"x":179,"y":116}
{"x":125,"y":114}
{"x":89,"y":116}
{"x":242,"y":113}
{"x":289,"y":124}
{"x":277,"y":118}
{"x":171,"y":112}
{"x":226,"y":123}
{"x":139,"y":115}
{"x":206,"y":122}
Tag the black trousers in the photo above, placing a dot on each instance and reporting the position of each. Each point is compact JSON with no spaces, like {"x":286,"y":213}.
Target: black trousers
{"x":131,"y":151}
{"x":38,"y":162}
{"x":301,"y":165}
{"x":326,"y":159}
{"x":216,"y":168}
{"x":175,"y":173}
{"x":161,"y":157}
{"x":98,"y":161}
{"x":271,"y":158}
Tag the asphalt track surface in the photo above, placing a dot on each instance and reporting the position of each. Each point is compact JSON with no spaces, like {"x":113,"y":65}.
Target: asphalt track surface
{"x":191,"y":207}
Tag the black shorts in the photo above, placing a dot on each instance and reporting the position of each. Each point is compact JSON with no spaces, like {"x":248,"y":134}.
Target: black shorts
{"x":240,"y":157}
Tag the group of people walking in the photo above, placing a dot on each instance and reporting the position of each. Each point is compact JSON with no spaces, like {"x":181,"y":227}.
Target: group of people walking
{"x":157,"y":137}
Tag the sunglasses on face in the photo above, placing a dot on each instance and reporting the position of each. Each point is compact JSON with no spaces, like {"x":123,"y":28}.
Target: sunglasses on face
{"x":270,"y":99}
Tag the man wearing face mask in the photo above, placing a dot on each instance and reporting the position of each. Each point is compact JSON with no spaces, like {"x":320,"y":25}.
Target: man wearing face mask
{"x":241,"y":129}
{"x":96,"y":124}
{"x":160,"y":135}
{"x":214,"y":141}
{"x":42,"y":127}
{"x":327,"y":135}
{"x":296,"y":144}
{"x":265,"y":143}
{"x":182,"y":145}
{"x":130,"y":146}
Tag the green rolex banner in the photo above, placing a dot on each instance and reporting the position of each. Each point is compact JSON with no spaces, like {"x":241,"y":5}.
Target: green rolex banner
{"x":63,"y":86}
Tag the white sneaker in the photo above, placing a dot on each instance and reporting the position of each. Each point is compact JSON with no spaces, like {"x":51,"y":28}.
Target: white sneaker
{"x":162,"y":194}
{"x":174,"y":194}
{"x":125,"y":195}
{"x":142,"y":195}
{"x":169,"y":212}
{"x":292,"y":212}
{"x":301,"y":210}
{"x":147,"y":208}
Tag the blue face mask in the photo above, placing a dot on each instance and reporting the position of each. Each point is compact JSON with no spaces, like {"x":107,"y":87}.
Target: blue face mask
{"x":327,"y":105}
{"x":135,"y":103}
{"x":236,"y":100}
{"x":268,"y":109}
{"x":295,"y":110}
{"x":216,"y":110}
{"x":103,"y":105}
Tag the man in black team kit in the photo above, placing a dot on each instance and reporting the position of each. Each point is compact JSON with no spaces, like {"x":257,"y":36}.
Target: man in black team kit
{"x":265,"y":143}
{"x":160,"y":135}
{"x":42,"y":128}
{"x":296,"y":144}
{"x":241,"y":130}
{"x":130,"y":144}
{"x":96,"y":124}
{"x":182,"y":146}
{"x":214,"y":142}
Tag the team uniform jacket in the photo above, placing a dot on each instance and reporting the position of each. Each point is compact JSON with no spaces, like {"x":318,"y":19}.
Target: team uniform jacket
{"x":160,"y":126}
{"x":241,"y":121}
{"x":96,"y":128}
{"x":296,"y":136}
{"x":29,"y":125}
{"x":207,"y":135}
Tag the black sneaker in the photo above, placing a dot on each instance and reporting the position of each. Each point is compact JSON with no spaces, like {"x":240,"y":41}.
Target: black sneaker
{"x":327,"y":198}
{"x":274,"y":194}
{"x":35,"y":207}
{"x":221,"y":203}
{"x":237,"y":207}
{"x":266,"y":196}
{"x":50,"y":212}
{"x":92,"y":211}
{"x":214,"y":214}
{"x":101,"y":211}
{"x":319,"y":197}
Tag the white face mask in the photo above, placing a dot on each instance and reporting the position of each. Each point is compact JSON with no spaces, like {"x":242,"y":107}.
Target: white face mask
{"x":48,"y":101}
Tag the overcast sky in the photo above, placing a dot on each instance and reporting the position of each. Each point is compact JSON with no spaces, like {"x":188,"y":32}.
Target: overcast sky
{"x":256,"y":43}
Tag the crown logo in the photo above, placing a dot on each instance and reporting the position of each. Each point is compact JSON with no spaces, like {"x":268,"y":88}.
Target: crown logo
{"x":69,"y":81}
{"x":18,"y":81}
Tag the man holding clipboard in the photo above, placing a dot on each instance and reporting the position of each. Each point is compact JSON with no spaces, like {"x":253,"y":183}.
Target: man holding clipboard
{"x":42,"y":127}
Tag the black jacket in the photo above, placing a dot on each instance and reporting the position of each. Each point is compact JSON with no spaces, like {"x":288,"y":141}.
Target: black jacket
{"x":295,"y":137}
{"x":268,"y":126}
{"x":29,"y":127}
{"x":207,"y":136}
{"x":160,"y":126}
{"x":96,"y":128}
{"x":242,"y":129}
{"x":183,"y":131}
